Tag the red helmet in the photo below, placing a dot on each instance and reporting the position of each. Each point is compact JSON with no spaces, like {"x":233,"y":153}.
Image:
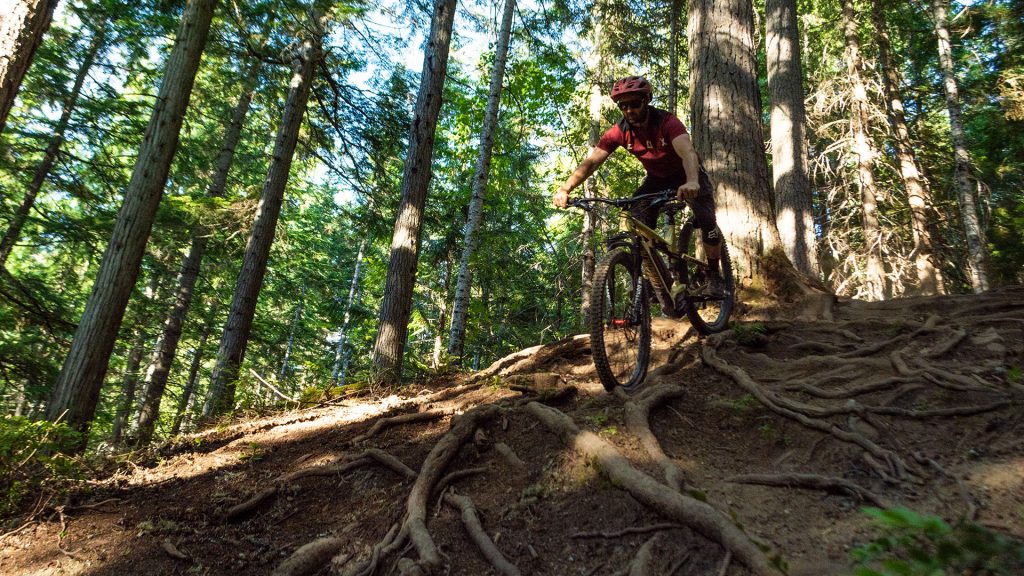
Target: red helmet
{"x":631,"y":85}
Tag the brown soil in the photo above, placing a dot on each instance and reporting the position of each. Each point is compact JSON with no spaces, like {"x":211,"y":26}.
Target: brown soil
{"x":914,"y":403}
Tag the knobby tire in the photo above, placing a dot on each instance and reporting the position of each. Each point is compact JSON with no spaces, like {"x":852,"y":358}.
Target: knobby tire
{"x":620,"y":322}
{"x":711,"y":316}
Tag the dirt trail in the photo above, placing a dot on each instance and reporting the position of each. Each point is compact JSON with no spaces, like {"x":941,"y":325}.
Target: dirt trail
{"x":741,"y":452}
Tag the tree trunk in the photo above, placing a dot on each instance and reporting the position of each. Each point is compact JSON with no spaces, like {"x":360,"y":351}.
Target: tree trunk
{"x":78,"y":386}
{"x":589,"y":254}
{"x":21,"y":32}
{"x":160,"y":367}
{"x":53,"y":148}
{"x":188,"y":394}
{"x":874,"y":269}
{"x":341,"y":354}
{"x":129,"y":383}
{"x":727,"y":131}
{"x":235,"y":338}
{"x":395,"y":309}
{"x":296,"y":320}
{"x":794,"y":206}
{"x":965,"y":194}
{"x":673,"y":54}
{"x":476,"y":205}
{"x":929,"y":279}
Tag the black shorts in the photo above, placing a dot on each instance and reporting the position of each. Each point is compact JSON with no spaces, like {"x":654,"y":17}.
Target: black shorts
{"x":703,"y":205}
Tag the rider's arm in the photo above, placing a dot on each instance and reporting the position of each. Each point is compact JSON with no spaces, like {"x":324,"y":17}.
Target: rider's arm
{"x":583,"y":171}
{"x":684,"y":149}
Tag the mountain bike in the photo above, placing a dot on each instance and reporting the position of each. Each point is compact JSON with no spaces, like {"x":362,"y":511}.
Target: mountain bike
{"x":641,"y":272}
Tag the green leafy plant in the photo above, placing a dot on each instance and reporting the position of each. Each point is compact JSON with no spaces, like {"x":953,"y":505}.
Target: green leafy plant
{"x":254,"y":452}
{"x":912,"y":544}
{"x":32,"y":459}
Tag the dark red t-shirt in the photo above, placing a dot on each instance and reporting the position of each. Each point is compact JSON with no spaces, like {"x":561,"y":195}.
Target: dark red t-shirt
{"x":651,"y":145}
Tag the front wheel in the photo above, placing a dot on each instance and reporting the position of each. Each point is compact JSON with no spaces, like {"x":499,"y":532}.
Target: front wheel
{"x":620,"y":321}
{"x":708,"y":315}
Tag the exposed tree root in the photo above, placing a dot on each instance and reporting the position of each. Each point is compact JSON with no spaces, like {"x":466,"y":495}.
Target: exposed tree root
{"x":413,"y":417}
{"x":530,"y":358}
{"x":627,"y":531}
{"x":310,"y":558}
{"x":805,"y":414}
{"x":811,"y":482}
{"x":638,"y":412}
{"x":433,"y":467}
{"x":368,"y":457}
{"x":509,"y":455}
{"x":641,"y":565}
{"x":688,"y":511}
{"x":471,"y":521}
{"x":547,"y":395}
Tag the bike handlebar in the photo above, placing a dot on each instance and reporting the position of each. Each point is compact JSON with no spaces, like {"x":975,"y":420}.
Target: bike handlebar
{"x":664,"y":197}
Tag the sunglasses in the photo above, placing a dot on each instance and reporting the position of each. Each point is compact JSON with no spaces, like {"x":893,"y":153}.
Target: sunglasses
{"x":630,"y":104}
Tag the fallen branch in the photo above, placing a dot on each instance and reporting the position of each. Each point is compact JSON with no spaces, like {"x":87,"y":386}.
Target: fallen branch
{"x":413,"y":417}
{"x":688,"y":511}
{"x":471,"y":521}
{"x":811,"y":482}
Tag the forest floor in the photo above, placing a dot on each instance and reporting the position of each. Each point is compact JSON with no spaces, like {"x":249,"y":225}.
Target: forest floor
{"x":767,"y":443}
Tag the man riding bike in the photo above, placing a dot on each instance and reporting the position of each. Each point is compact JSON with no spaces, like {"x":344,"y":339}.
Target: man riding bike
{"x":659,"y":140}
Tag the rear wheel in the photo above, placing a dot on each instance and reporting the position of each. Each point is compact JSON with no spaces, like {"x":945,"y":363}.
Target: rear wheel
{"x":620,"y":322}
{"x":708,"y":315}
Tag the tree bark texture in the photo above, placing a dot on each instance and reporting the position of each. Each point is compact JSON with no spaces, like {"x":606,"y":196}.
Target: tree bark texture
{"x":727,"y":129}
{"x":42,"y":171}
{"x":78,"y":386}
{"x":919,"y":197}
{"x":129,"y":383}
{"x":673,"y":54}
{"x":965,"y":194}
{"x":874,"y":269}
{"x":589,"y":255}
{"x":163,"y":357}
{"x":471,"y":235}
{"x":794,"y":206}
{"x":188,"y":393}
{"x":341,"y":355}
{"x":235,"y":338}
{"x":396,"y":307}
{"x":21,"y":32}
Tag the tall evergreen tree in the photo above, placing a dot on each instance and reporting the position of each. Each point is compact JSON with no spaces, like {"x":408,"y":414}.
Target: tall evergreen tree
{"x":396,"y":307}
{"x":42,"y":171}
{"x":163,"y":357}
{"x":221,"y":396}
{"x":77,"y":389}
{"x":860,"y":122}
{"x":727,"y":132}
{"x":919,"y":197}
{"x":794,"y":204}
{"x":963,"y":168}
{"x":21,"y":31}
{"x":471,"y":241}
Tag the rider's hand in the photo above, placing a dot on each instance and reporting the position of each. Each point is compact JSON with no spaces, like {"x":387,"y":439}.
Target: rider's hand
{"x":688,"y":191}
{"x":561,"y":198}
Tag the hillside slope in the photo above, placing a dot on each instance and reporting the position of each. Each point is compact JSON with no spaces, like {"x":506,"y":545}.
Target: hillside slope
{"x":743,"y":453}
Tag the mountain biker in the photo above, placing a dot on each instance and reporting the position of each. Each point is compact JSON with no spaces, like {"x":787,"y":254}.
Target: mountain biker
{"x":659,"y":140}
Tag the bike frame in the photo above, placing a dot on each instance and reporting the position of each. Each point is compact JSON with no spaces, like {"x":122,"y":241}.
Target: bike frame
{"x":647,"y":245}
